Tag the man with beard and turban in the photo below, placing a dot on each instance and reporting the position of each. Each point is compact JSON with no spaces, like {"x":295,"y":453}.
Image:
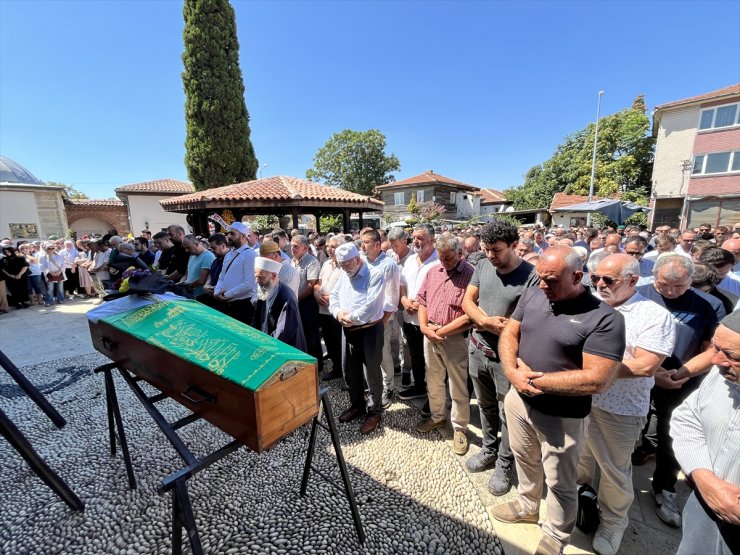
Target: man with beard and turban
{"x":276,"y":307}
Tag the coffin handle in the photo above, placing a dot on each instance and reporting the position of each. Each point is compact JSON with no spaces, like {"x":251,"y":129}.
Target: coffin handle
{"x":108,"y":343}
{"x":289,"y":373}
{"x":204,"y":395}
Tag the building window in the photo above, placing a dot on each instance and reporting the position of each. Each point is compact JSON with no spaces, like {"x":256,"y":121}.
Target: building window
{"x":398,"y":199}
{"x":453,"y":197}
{"x":717,"y":162}
{"x":420,"y":195}
{"x":720,"y":117}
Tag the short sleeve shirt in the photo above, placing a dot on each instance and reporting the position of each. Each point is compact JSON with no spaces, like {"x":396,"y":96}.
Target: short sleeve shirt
{"x":649,"y":326}
{"x":196,"y":263}
{"x":696,"y":315}
{"x":308,"y":267}
{"x":554,"y":336}
{"x":498,"y":294}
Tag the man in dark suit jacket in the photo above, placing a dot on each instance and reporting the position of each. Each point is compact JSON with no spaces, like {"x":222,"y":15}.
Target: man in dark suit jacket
{"x":276,"y":306}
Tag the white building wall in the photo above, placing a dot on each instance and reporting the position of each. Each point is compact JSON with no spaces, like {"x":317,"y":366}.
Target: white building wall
{"x":18,"y":207}
{"x":467,"y":205}
{"x":143,"y":209}
{"x":674,"y":145}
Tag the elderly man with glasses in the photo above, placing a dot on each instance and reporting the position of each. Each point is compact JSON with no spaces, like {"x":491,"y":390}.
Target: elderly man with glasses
{"x":619,"y":414}
{"x":696,"y":315}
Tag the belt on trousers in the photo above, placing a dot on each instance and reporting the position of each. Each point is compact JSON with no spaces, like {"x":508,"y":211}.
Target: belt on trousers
{"x":482,"y":348}
{"x":364,"y":326}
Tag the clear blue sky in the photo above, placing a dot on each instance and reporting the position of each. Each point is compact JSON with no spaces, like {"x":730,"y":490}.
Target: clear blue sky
{"x":91,"y":95}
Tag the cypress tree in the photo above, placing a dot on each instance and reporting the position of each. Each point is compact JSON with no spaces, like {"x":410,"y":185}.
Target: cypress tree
{"x":218,"y":148}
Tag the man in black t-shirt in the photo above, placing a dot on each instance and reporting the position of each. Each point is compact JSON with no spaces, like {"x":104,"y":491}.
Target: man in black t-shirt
{"x":559,"y":347}
{"x":499,"y":280}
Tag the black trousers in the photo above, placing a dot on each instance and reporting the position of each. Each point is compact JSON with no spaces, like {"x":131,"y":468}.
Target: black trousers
{"x":664,"y":401}
{"x":73,"y":281}
{"x":362,"y":355}
{"x":415,"y":340}
{"x":241,"y":309}
{"x":332,"y":332}
{"x":309,"y":310}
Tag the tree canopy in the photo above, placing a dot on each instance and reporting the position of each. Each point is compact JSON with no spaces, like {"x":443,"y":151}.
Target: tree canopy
{"x":218,"y":146}
{"x":69,"y":189}
{"x":355,"y":161}
{"x":624,"y":161}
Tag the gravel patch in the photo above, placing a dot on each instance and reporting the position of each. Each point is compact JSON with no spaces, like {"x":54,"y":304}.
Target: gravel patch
{"x":413,"y":493}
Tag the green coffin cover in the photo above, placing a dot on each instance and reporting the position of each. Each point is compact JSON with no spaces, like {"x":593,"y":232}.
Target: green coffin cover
{"x":211,"y":340}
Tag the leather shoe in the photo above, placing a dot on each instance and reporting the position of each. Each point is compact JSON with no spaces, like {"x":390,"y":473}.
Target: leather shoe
{"x":369,"y":424}
{"x":327,"y":376}
{"x":350,"y":414}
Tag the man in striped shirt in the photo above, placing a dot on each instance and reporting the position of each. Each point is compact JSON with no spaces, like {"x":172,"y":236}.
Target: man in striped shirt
{"x":442,"y":321}
{"x":706,"y":439}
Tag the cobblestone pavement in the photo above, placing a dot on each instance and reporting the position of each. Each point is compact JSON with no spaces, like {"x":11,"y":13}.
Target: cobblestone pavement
{"x":414,"y":494}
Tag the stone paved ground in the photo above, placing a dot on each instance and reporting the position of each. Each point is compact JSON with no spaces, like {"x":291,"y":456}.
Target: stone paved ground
{"x":414,"y":493}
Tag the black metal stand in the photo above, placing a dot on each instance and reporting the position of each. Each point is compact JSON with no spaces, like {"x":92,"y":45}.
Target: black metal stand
{"x":19,"y":442}
{"x":331,"y":427}
{"x":182,"y":511}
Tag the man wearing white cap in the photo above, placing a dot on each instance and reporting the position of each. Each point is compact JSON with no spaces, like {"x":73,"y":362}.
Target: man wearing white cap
{"x":236,"y":284}
{"x":357,"y":303}
{"x":276,"y":307}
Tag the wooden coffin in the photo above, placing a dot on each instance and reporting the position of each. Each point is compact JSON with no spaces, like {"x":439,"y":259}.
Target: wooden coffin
{"x":250,"y":385}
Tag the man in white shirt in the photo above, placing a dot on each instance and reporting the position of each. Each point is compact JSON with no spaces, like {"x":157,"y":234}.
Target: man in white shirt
{"x":236,"y":285}
{"x":414,"y":271}
{"x":357,"y":303}
{"x":376,"y":258}
{"x":685,"y":242}
{"x":619,"y":415}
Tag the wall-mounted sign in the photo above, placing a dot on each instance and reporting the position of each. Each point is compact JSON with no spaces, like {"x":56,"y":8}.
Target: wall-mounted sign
{"x":24,"y":231}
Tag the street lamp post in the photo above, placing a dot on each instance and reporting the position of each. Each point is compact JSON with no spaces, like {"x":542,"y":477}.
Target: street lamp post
{"x":593,"y":160}
{"x":263,"y":166}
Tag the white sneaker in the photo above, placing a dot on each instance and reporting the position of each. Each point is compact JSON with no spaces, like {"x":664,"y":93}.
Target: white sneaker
{"x":606,"y":541}
{"x":668,"y":510}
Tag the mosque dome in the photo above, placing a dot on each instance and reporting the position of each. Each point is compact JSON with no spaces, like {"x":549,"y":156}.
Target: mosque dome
{"x":13,"y":172}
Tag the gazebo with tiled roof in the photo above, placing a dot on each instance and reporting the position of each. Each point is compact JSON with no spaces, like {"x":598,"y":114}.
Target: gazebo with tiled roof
{"x":280,"y":195}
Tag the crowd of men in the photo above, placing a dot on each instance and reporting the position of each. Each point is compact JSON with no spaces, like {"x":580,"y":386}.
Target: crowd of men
{"x":584,"y":348}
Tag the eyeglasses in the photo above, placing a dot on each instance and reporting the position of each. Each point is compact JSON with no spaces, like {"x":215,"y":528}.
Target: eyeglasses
{"x":634,"y":253}
{"x":606,"y":279}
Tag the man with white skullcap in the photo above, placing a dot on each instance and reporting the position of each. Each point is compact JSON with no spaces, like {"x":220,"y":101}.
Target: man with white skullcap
{"x":236,"y":285}
{"x":276,"y":307}
{"x":706,"y":440}
{"x":357,"y":303}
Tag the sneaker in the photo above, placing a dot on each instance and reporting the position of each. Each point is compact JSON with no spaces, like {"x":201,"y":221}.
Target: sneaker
{"x":482,"y":460}
{"x":47,"y":304}
{"x":548,"y":546}
{"x":500,"y":481}
{"x":406,"y":379}
{"x":606,"y":541}
{"x":387,"y":398}
{"x":416,"y":391}
{"x":667,"y":510}
{"x":513,"y":512}
{"x":427,"y":425}
{"x":460,"y":442}
{"x":642,"y":454}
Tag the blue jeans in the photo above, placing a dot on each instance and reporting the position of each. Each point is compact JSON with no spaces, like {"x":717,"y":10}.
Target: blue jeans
{"x":35,"y":285}
{"x":704,"y":533}
{"x":54,"y":289}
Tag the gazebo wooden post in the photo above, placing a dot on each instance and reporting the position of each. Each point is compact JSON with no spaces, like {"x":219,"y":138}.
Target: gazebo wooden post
{"x":361,"y":222}
{"x":345,"y":219}
{"x":294,"y":213}
{"x":317,"y":215}
{"x":200,"y":223}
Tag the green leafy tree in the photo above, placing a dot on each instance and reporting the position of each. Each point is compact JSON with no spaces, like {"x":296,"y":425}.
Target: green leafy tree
{"x":330,"y":222}
{"x":218,"y":148}
{"x":263,"y":222}
{"x":355,"y":161}
{"x":413,"y":207}
{"x":69,"y":190}
{"x":624,"y":161}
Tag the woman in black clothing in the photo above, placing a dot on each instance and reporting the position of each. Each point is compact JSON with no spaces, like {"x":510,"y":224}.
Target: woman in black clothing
{"x":14,"y":267}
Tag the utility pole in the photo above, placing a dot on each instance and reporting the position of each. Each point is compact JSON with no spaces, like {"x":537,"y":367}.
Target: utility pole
{"x":593,"y":160}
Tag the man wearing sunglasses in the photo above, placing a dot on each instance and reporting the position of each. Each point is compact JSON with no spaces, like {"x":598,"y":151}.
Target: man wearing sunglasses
{"x":619,"y":415}
{"x":696,"y":315}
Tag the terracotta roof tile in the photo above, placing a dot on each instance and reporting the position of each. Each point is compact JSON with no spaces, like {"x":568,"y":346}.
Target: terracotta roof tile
{"x":561,"y":200}
{"x":94,"y":202}
{"x":272,"y":188}
{"x":489,"y":196}
{"x":727,"y":91}
{"x":427,"y":177}
{"x":157,"y":186}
